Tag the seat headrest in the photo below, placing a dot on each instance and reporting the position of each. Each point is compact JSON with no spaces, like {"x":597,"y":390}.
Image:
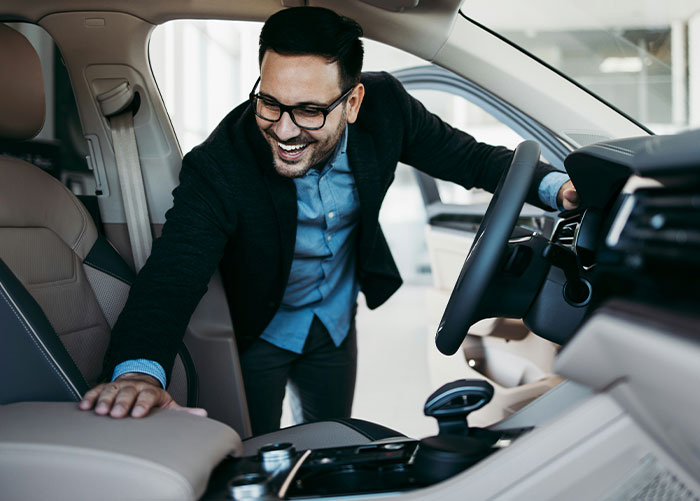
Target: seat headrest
{"x":21,"y":87}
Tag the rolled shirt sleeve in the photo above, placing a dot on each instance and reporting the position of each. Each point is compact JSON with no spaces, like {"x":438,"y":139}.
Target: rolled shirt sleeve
{"x":549,"y":188}
{"x":143,"y":366}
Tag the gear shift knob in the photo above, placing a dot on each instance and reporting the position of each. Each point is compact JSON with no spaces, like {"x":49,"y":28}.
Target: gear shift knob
{"x":452,"y":403}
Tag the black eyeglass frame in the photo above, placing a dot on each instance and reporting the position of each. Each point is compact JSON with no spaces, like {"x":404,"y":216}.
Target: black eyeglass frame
{"x":290,"y":109}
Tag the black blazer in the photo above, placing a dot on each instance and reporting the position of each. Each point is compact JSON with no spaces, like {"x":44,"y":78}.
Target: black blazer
{"x":232,"y":208}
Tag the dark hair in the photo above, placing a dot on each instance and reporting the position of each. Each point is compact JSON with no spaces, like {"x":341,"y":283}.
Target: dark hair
{"x":316,"y":31}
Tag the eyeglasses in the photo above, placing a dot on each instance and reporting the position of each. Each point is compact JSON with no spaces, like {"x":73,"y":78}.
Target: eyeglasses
{"x":305,"y":116}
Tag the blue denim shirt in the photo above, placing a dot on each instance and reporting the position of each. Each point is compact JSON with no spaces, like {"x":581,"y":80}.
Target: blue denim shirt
{"x":322,"y":280}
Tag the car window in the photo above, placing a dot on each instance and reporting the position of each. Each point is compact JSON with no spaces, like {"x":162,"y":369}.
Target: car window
{"x":204,"y":69}
{"x":639,"y":56}
{"x":466,"y":116}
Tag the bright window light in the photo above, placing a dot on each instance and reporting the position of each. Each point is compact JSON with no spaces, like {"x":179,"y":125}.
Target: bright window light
{"x":621,"y":65}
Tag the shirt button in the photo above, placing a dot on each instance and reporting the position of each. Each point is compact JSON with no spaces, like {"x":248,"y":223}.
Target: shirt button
{"x":329,"y":238}
{"x":331,"y":215}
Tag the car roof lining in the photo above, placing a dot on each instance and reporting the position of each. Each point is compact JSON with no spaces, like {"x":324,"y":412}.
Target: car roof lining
{"x":378,"y":23}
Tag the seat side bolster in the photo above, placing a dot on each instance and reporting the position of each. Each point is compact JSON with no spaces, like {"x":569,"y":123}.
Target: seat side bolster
{"x":110,"y":278}
{"x":31,"y":354}
{"x":104,"y":257}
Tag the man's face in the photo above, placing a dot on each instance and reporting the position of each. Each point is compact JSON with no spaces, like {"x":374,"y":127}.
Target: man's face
{"x":309,"y":80}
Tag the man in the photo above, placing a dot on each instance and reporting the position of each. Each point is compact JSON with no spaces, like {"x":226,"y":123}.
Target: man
{"x":285,"y":194}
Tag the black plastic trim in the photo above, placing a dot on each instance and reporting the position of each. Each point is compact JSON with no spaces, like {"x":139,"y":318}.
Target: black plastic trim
{"x":105,"y":258}
{"x":372,"y":431}
{"x":190,"y":375}
{"x":34,"y":364}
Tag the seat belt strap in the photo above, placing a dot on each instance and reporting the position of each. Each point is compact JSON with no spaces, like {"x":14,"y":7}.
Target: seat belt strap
{"x":129,"y":170}
{"x":131,"y":183}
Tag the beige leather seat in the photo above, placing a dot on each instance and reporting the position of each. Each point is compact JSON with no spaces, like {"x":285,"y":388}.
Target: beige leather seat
{"x":48,"y":239}
{"x":49,"y":242}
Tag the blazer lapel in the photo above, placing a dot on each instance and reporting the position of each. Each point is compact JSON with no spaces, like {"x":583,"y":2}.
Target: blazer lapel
{"x":362,"y":157}
{"x":283,"y":194}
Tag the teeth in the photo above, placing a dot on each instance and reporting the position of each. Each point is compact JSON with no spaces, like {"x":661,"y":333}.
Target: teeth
{"x":292,"y":147}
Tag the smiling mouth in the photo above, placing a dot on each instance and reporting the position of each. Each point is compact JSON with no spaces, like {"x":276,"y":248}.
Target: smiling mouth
{"x":291,"y":152}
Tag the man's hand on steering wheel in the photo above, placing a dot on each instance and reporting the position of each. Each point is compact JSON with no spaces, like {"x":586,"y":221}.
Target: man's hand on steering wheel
{"x":131,"y":394}
{"x":567,"y":196}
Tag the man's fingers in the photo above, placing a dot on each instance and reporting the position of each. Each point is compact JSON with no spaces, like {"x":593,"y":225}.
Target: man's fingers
{"x":123,"y":402}
{"x":106,"y":399}
{"x":571,"y":195}
{"x":133,"y":395}
{"x":148,"y":398}
{"x":567,"y":197}
{"x":89,"y":398}
{"x":571,"y":199}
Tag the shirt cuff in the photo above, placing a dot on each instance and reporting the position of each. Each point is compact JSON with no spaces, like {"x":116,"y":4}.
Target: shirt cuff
{"x":143,"y":366}
{"x":549,"y":188}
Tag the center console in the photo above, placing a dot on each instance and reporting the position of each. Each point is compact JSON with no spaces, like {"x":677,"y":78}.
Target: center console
{"x":279,"y":471}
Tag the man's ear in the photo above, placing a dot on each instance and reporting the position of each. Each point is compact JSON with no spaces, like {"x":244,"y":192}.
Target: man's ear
{"x":354,"y":102}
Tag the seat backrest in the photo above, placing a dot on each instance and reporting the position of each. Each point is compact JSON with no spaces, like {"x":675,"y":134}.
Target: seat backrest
{"x":49,"y":241}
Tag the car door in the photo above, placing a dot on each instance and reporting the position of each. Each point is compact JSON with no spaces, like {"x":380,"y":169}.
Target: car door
{"x":518,"y":363}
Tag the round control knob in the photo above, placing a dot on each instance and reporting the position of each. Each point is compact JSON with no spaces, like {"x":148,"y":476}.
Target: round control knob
{"x":276,"y":456}
{"x":248,"y":487}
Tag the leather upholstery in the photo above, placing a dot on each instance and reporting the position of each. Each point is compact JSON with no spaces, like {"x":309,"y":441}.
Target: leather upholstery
{"x":55,"y":451}
{"x":22,"y":99}
{"x":46,"y":235}
{"x":34,"y":365}
{"x":32,"y":198}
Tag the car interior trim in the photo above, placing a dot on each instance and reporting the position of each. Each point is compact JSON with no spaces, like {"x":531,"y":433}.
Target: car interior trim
{"x":40,"y":333}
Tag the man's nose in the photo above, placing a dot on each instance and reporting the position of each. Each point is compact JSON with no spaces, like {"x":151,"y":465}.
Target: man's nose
{"x":285,"y":128}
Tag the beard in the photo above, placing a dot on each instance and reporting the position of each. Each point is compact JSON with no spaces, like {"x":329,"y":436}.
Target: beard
{"x":314,"y":154}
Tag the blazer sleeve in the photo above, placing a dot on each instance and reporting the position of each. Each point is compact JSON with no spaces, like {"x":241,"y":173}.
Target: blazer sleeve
{"x":444,"y":152}
{"x":175,"y":276}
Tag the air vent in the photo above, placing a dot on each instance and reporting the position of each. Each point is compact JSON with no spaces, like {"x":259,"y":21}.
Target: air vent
{"x":660,"y":224}
{"x":565,"y":231}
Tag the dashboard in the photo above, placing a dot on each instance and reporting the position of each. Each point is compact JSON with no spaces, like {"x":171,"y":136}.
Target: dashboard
{"x":636,"y":235}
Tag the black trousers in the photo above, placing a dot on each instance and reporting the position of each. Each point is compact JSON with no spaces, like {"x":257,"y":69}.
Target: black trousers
{"x":321,"y":379}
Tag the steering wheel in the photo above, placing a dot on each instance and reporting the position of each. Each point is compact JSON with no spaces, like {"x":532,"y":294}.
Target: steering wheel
{"x":486,"y":253}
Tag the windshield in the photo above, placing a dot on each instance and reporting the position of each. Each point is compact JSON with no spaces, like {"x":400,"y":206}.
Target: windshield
{"x":642,"y":57}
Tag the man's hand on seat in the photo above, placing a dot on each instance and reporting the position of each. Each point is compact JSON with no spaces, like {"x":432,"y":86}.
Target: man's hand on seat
{"x":567,"y":196}
{"x":132,"y":394}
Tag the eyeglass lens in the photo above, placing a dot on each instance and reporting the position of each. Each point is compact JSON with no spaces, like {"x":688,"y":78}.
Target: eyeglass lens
{"x":303,"y":117}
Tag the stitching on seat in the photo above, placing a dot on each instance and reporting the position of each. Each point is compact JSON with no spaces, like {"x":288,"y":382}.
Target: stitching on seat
{"x":83,"y":214}
{"x":42,"y":350}
{"x":91,"y":264}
